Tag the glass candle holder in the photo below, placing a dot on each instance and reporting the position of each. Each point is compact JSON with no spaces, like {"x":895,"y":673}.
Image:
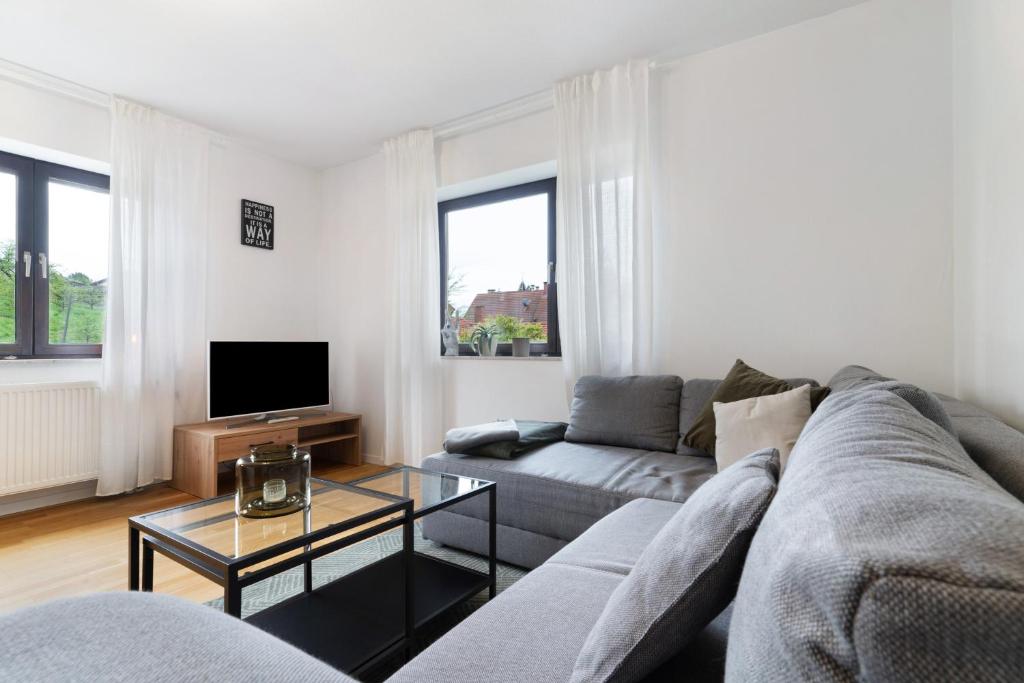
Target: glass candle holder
{"x":272,"y":480}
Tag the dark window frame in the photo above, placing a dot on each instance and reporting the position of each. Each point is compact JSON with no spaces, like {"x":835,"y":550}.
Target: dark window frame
{"x":32,"y":291}
{"x":546,"y":186}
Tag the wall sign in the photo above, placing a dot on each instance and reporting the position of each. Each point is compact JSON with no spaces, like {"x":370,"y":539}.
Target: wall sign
{"x":257,"y":224}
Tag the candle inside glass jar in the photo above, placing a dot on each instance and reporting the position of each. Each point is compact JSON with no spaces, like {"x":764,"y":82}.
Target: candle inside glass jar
{"x":275,"y":490}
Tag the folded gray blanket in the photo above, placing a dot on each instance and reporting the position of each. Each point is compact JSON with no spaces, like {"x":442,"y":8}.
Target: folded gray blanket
{"x":503,"y":439}
{"x":461,"y":438}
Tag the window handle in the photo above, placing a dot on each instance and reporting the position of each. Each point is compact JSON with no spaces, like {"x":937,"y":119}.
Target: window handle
{"x":27,"y":258}
{"x":42,"y":265}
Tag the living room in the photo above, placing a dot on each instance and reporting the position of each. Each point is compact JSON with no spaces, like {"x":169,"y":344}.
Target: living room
{"x":475,"y":277}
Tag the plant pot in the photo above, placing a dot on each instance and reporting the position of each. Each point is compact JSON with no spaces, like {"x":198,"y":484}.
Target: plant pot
{"x":521,"y":347}
{"x":485,"y":345}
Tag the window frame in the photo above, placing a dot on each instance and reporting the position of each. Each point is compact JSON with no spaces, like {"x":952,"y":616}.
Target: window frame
{"x":32,"y":292}
{"x":548,"y":186}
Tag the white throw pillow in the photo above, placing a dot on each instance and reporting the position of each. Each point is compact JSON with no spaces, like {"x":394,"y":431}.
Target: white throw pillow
{"x":774,"y":421}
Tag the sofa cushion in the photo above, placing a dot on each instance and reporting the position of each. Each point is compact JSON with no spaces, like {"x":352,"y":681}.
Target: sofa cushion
{"x":742,"y":427}
{"x":854,"y":376}
{"x":696,"y":394}
{"x":742,"y":382}
{"x":879,"y":504}
{"x":635,"y":412}
{"x":997,"y":447}
{"x":145,"y":637}
{"x":533,"y":631}
{"x":922,"y":400}
{"x":684,"y":578}
{"x":561,"y":489}
{"x":615,"y":542}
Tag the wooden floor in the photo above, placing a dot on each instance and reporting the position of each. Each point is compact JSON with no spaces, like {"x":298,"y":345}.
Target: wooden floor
{"x":82,"y":547}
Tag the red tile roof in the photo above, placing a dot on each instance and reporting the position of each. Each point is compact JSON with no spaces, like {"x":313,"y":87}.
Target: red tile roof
{"x":528,"y":305}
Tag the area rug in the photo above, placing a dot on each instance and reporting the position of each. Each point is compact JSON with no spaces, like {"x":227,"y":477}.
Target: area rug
{"x":266,"y":593}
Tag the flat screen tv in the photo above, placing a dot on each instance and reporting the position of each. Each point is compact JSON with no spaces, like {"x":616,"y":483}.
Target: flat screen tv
{"x":255,"y":377}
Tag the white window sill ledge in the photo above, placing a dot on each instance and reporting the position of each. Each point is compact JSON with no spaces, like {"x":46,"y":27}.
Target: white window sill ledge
{"x":503,"y":358}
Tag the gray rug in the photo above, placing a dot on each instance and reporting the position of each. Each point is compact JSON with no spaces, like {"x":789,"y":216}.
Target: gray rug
{"x":271,"y":591}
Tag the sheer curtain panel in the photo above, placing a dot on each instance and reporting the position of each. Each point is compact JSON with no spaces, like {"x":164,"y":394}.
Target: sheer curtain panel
{"x":413,"y":374}
{"x":153,"y":349}
{"x":604,"y":222}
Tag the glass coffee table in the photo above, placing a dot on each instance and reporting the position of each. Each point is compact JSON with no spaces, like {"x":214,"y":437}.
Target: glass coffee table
{"x":353,"y":621}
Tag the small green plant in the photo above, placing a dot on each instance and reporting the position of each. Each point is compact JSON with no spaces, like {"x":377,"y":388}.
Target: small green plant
{"x":486,"y":329}
{"x":510,"y":328}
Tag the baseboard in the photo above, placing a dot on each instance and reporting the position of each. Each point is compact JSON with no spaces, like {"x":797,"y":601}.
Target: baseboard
{"x":31,"y":500}
{"x":373,"y":459}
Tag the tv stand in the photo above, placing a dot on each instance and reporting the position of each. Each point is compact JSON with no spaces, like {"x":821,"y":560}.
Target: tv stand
{"x":271,"y":418}
{"x":201,"y":449}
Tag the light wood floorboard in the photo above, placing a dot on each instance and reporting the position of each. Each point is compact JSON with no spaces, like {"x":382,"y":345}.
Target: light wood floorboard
{"x":82,"y":547}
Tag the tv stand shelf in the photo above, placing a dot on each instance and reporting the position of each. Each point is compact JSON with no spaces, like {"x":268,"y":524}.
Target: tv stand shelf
{"x":200,"y":448}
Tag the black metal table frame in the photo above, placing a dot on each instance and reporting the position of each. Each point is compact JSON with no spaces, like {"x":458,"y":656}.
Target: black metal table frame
{"x":226,"y":571}
{"x":489,"y":487}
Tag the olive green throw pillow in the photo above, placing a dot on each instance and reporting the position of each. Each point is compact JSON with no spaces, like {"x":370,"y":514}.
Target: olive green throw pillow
{"x":742,"y":382}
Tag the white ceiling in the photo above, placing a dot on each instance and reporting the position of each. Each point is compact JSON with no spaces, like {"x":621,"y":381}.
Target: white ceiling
{"x":321,"y":82}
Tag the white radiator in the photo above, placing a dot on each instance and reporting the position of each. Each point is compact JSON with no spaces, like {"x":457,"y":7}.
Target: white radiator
{"x":49,"y":435}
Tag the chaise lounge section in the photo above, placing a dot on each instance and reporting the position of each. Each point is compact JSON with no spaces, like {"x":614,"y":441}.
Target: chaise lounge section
{"x":548,"y":497}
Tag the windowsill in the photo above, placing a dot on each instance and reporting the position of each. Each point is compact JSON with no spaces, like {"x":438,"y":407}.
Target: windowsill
{"x":518,"y":358}
{"x":50,"y":361}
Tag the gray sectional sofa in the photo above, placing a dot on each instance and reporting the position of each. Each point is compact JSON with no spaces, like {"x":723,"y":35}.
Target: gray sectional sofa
{"x":889,"y":553}
{"x":893,"y":551}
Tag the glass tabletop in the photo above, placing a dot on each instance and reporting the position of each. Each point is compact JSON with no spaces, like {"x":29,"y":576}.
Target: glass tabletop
{"x":214,"y":525}
{"x":427,"y":489}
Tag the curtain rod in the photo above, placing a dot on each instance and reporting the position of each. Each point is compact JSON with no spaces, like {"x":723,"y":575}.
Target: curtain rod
{"x":511,"y":110}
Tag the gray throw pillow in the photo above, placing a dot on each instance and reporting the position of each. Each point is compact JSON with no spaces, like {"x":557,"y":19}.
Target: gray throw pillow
{"x":636,"y":412}
{"x":684,"y":578}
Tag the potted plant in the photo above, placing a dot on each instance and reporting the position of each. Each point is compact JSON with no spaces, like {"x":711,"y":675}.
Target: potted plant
{"x":519,"y":333}
{"x":485,"y":338}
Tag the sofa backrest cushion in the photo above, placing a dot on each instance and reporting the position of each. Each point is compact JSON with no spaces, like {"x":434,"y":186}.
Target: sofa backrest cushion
{"x":887,"y":554}
{"x":854,"y":376}
{"x":923,"y":401}
{"x":996,"y":446}
{"x":684,"y":578}
{"x":636,"y":412}
{"x":857,"y":378}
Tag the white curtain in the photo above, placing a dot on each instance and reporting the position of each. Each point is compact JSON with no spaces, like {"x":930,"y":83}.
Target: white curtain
{"x":153,"y":349}
{"x":604,"y":222}
{"x":413,"y":377}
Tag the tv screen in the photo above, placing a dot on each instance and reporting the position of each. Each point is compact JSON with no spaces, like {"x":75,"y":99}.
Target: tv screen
{"x":251,"y":377}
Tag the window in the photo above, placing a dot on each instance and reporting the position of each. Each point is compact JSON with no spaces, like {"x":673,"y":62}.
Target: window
{"x":498,"y":267}
{"x":53,"y":259}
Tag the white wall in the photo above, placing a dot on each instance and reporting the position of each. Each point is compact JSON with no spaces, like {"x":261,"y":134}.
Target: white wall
{"x":808,"y":176}
{"x":353,"y":300}
{"x":352,"y":306}
{"x":808,"y":224}
{"x":259,"y":293}
{"x":36,"y":117}
{"x":251,"y":293}
{"x":989,"y":151}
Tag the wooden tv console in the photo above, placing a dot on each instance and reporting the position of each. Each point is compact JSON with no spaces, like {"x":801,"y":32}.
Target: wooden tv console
{"x":200,"y":448}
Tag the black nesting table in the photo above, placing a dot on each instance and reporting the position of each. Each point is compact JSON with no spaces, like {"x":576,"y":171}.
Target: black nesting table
{"x":355,"y":620}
